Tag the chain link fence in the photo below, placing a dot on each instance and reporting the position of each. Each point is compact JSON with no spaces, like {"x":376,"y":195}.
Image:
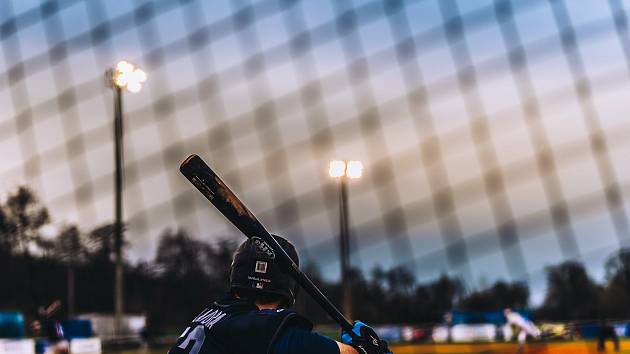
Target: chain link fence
{"x":494,"y":133}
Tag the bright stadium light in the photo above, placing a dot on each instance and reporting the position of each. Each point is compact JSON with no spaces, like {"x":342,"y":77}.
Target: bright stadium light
{"x":350,"y":169}
{"x":354,"y":169}
{"x":337,"y":168}
{"x":128,"y":76}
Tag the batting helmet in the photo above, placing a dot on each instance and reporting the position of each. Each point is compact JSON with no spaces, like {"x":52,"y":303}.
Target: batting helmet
{"x":253,"y":269}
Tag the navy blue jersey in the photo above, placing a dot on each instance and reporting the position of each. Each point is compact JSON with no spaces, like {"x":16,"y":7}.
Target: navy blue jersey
{"x":295,"y":340}
{"x":51,"y":329}
{"x":233,"y":326}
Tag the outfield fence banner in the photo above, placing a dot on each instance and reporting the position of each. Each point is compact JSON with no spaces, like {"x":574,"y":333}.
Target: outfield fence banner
{"x":17,"y":346}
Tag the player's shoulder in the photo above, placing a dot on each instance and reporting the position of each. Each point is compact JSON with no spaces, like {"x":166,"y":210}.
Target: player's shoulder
{"x":267,"y":318}
{"x":287,"y":318}
{"x":281,"y":312}
{"x":244,"y":311}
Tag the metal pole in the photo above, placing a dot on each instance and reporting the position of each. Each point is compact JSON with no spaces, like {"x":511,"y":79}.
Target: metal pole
{"x":345,"y":248}
{"x":118,"y":232}
{"x":71,"y":290}
{"x":74,"y":254}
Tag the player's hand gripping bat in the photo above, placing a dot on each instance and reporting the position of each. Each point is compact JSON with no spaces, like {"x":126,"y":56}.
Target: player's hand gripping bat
{"x":213,"y":188}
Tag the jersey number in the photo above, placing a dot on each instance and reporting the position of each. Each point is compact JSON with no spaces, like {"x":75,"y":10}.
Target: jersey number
{"x":198,"y":335}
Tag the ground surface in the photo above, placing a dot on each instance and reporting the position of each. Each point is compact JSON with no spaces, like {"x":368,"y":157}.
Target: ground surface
{"x":580,"y":347}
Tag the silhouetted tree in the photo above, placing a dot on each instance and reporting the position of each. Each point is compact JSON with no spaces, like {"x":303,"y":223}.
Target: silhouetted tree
{"x":400,"y":281}
{"x":179,"y":254}
{"x":69,"y":246}
{"x":217,"y":260}
{"x":500,"y":296}
{"x":100,"y":243}
{"x":445,"y":292}
{"x":616,"y":297}
{"x":571,"y":294}
{"x":7,"y":233}
{"x":23,"y":218}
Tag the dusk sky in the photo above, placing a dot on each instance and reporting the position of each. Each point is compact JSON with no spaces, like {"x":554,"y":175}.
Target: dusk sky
{"x":471,"y":118}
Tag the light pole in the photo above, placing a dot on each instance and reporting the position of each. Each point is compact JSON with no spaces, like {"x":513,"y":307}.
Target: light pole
{"x":124,"y":76}
{"x":343,"y":170}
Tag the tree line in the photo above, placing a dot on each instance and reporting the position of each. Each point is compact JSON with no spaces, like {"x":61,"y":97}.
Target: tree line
{"x":77,"y":267}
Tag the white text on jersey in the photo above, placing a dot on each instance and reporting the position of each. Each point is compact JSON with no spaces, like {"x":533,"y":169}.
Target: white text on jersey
{"x":209,"y":317}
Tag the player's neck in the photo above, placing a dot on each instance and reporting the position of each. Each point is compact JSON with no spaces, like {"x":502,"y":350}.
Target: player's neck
{"x":271,"y":306}
{"x":261,"y":306}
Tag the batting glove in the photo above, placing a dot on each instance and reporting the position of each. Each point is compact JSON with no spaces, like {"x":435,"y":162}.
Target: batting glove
{"x":364,"y":340}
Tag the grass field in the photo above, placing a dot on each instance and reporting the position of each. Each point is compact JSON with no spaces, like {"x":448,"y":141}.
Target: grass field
{"x":578,"y":347}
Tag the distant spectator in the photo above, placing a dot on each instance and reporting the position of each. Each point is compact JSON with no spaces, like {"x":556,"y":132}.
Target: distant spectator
{"x":573,"y":331}
{"x":448,"y":321}
{"x":49,"y":327}
{"x":146,"y":338}
{"x":606,"y":330}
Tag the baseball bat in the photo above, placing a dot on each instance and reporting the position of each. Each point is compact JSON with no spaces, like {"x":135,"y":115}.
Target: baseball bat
{"x":222,"y":197}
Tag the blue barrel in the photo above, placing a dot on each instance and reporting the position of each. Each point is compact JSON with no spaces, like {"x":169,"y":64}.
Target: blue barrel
{"x":589,"y":330}
{"x":77,"y":328}
{"x":11,"y":325}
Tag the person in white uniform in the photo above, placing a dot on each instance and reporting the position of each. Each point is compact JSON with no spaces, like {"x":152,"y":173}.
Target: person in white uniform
{"x":525,"y":327}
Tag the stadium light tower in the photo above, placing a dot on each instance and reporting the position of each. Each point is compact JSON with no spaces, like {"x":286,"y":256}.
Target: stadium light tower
{"x":344,"y":170}
{"x":125,"y":76}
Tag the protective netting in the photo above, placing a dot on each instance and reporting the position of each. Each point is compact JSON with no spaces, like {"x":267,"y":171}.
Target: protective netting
{"x":494,"y":133}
